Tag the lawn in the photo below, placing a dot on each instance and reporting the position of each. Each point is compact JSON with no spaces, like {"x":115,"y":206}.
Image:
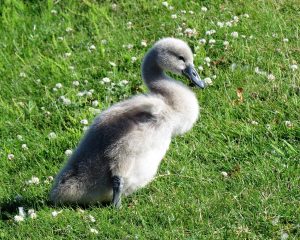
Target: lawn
{"x":236,"y":175}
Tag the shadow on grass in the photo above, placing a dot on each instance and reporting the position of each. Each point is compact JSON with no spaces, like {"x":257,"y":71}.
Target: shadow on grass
{"x":9,"y":208}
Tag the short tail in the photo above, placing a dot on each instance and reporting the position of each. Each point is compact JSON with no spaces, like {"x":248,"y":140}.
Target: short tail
{"x":67,"y":189}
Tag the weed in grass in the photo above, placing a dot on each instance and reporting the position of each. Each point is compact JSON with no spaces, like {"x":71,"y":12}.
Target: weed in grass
{"x":64,"y":61}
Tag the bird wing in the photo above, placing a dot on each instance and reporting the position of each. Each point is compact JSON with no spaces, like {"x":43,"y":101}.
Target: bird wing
{"x":137,"y":110}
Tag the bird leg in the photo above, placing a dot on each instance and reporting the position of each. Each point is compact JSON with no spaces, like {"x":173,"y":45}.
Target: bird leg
{"x":117,"y":183}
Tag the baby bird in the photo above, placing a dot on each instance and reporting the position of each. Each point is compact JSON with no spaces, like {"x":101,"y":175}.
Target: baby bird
{"x":124,"y":146}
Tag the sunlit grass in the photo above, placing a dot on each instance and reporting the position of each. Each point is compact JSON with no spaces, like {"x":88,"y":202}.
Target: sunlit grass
{"x":234,"y":176}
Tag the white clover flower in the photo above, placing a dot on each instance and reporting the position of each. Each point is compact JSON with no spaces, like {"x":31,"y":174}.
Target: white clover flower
{"x":84,"y":121}
{"x":20,"y":137}
{"x":171,"y":8}
{"x":68,"y":54}
{"x":228,"y":24}
{"x":80,"y":94}
{"x":212,"y":41}
{"x":112,"y":64}
{"x":52,"y":135}
{"x":129,"y":25}
{"x":55,"y":213}
{"x":220,"y":24}
{"x":225,"y":43}
{"x":53,"y":11}
{"x":191,"y":12}
{"x":24,"y":146}
{"x":246,"y":15}
{"x":94,"y":231}
{"x":214,"y":76}
{"x":48,"y":180}
{"x":207,"y":59}
{"x":114,"y":7}
{"x":91,"y":218}
{"x":271,"y":77}
{"x":33,"y":180}
{"x":106,"y":80}
{"x":10,"y":156}
{"x":210,"y":32}
{"x":284,"y":236}
{"x":92,"y":47}
{"x":288,"y":124}
{"x":275,"y":220}
{"x":54,"y":89}
{"x":235,"y":18}
{"x":144,"y":43}
{"x":104,"y":41}
{"x":18,"y":218}
{"x":190,"y":32}
{"x":58,"y":85}
{"x":204,"y":9}
{"x":32,"y":213}
{"x":129,"y":46}
{"x":254,"y":122}
{"x":133,"y":59}
{"x":285,"y":40}
{"x":89,"y":93}
{"x":22,"y":74}
{"x":124,"y":82}
{"x":257,"y":70}
{"x":202,"y":41}
{"x":76,"y":83}
{"x":174,"y":16}
{"x":200,"y":68}
{"x":233,"y":66}
{"x":208,"y":81}
{"x":224,"y":174}
{"x":235,"y":34}
{"x":80,"y":210}
{"x":66,"y":101}
{"x":294,"y":67}
{"x":68,"y":152}
{"x":95,"y":103}
{"x":166,"y":4}
{"x":21,"y":211}
{"x":69,"y":29}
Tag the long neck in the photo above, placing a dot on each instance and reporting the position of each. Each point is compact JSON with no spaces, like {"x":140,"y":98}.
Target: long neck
{"x":159,"y":83}
{"x":151,"y":72}
{"x":180,"y":98}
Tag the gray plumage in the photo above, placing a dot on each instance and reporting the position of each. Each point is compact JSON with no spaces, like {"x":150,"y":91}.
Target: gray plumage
{"x":130,"y":138}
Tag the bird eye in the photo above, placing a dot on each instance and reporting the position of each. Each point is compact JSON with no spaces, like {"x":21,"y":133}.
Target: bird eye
{"x":181,"y":58}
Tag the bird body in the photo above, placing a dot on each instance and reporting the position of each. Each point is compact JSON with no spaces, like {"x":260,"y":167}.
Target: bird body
{"x":124,"y":146}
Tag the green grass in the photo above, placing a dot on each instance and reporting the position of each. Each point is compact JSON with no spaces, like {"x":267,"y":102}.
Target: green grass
{"x":190,"y":198}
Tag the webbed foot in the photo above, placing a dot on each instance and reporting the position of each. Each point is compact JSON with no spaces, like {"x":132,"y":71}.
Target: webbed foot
{"x":117,"y":183}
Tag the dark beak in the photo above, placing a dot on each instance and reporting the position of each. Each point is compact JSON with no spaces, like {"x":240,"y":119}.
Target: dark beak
{"x":191,"y":73}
